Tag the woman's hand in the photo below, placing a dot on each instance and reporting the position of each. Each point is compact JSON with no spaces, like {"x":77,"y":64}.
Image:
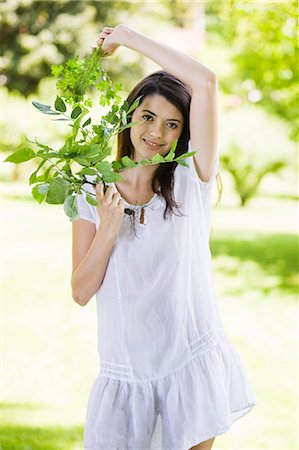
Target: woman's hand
{"x":111,"y":38}
{"x":110,"y":208}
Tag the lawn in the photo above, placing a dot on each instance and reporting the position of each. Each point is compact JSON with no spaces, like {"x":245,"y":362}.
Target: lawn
{"x":49,"y":342}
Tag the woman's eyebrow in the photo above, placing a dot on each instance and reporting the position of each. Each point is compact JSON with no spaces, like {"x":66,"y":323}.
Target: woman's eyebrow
{"x":146,"y":110}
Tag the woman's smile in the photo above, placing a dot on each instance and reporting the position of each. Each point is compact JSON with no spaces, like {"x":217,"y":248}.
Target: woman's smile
{"x":162,"y":123}
{"x":152,"y":145}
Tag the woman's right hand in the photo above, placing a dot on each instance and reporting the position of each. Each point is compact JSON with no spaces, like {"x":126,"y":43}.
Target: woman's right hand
{"x":111,"y":38}
{"x":110,"y":208}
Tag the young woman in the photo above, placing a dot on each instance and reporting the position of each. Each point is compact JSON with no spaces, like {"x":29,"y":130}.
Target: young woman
{"x":144,"y":251}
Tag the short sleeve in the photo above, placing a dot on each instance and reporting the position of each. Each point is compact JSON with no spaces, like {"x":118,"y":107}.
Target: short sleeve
{"x":205,"y":185}
{"x":85,"y":210}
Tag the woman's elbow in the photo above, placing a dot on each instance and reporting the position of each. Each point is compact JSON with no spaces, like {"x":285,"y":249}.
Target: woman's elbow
{"x":78,"y":299}
{"x":78,"y":296}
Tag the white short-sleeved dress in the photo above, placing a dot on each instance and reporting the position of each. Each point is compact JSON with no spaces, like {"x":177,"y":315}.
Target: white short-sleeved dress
{"x":164,"y":355}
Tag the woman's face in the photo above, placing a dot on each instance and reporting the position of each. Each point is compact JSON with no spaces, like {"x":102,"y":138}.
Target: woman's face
{"x":162,"y":124}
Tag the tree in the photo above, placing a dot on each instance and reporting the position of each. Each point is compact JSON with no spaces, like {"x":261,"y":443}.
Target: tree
{"x":262,"y":37}
{"x":37,"y":34}
{"x":247,"y":178}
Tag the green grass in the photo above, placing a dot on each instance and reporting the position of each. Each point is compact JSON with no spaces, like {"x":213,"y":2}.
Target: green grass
{"x":46,"y":438}
{"x":50,"y":353}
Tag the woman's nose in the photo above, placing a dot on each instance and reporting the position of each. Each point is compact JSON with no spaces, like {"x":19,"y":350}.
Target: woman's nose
{"x":156,"y":130}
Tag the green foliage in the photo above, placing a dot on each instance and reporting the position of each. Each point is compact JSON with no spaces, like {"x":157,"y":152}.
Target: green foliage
{"x":36,"y":34}
{"x":24,"y":437}
{"x":89,"y":143}
{"x":262,"y":37}
{"x":21,"y":155}
{"x":247,"y":178}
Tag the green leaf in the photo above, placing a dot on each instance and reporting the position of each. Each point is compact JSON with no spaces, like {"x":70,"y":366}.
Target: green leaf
{"x":170,"y":156}
{"x":41,"y":107}
{"x":44,"y":176}
{"x":98,"y":130}
{"x":91,"y":150}
{"x":104,"y":167}
{"x":106,"y":151}
{"x":116,"y":165}
{"x":183,"y":162}
{"x":174,"y":145}
{"x":67,"y":147}
{"x":39,"y":197}
{"x":66,"y":169}
{"x":87,"y":171}
{"x":59,"y":104}
{"x":43,"y":188}
{"x":144,"y":162}
{"x":158,"y":158}
{"x":76,"y":112}
{"x":127,"y":162}
{"x":21,"y":155}
{"x":134,"y":105}
{"x":115,"y":108}
{"x":56,"y":70}
{"x":58,"y":190}
{"x":39,"y":192}
{"x":51,"y":113}
{"x":70,"y":207}
{"x":87,"y":122}
{"x":46,"y":147}
{"x":128,"y":125}
{"x":185,"y":155}
{"x":91,"y":200}
{"x":124,"y":117}
{"x":124,"y":107}
{"x":32,"y":178}
{"x":76,"y":124}
{"x":82,"y":161}
{"x":111,"y":177}
{"x":47,"y":155}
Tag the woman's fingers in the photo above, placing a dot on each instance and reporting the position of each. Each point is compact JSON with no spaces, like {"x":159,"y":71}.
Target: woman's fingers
{"x":99,"y":191}
{"x":99,"y":41}
{"x":103,"y":34}
{"x":116,"y":199}
{"x":109,"y":194}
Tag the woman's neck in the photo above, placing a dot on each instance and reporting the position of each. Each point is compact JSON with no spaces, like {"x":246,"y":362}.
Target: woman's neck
{"x":139,"y":177}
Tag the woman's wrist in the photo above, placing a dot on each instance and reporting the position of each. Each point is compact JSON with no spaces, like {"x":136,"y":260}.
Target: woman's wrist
{"x":125,"y":35}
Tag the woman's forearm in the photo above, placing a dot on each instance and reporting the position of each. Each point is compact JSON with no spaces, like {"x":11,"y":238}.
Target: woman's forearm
{"x":89,"y":275}
{"x":189,"y":70}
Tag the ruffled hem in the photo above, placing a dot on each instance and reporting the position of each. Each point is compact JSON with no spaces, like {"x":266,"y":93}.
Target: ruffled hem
{"x":196,"y":403}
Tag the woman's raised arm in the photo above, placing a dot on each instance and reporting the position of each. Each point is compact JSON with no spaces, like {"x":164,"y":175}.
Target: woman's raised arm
{"x":201,"y":80}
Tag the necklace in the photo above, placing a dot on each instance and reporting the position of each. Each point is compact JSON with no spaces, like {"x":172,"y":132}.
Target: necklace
{"x":137,"y":213}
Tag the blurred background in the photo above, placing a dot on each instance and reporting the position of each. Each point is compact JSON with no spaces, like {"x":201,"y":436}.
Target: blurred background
{"x":49,"y":351}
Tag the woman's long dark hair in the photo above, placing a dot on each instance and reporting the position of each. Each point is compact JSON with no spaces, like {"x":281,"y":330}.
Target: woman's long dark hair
{"x":177,"y":93}
{"x":165,"y":84}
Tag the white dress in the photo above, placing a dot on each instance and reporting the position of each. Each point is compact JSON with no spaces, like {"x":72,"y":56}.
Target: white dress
{"x":163,"y":350}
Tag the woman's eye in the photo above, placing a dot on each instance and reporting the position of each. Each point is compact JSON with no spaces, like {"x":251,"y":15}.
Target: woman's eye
{"x":146,"y":116}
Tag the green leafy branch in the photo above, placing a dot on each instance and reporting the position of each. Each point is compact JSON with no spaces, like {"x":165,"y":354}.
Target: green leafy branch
{"x":89,"y":144}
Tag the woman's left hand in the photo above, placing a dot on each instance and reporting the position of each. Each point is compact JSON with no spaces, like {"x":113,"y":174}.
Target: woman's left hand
{"x":111,"y":38}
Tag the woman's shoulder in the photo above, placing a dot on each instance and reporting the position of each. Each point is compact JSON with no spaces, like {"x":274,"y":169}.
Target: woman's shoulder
{"x":188,"y":174}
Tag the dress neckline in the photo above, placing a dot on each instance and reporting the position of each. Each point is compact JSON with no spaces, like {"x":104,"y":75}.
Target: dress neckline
{"x":137,"y":206}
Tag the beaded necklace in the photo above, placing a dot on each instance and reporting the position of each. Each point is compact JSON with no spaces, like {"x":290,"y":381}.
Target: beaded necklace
{"x":137,"y":213}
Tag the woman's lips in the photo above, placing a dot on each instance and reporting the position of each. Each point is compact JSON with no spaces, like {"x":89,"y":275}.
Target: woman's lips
{"x":152,"y":145}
